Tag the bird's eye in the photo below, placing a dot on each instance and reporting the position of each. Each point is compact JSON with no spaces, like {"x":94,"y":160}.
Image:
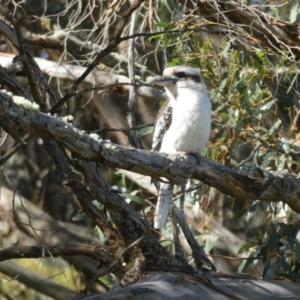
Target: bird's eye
{"x":180,"y":74}
{"x":196,"y":78}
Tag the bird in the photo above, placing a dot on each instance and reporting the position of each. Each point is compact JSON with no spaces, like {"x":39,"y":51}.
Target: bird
{"x":183,"y":124}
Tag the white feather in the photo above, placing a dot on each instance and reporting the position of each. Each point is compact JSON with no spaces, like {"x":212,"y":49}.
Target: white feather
{"x":163,"y":205}
{"x":191,"y":119}
{"x":189,"y":131}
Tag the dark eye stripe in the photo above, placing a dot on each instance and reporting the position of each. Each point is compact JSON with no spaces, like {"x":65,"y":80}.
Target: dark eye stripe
{"x":196,"y":78}
{"x":181,"y":75}
{"x":184,"y":76}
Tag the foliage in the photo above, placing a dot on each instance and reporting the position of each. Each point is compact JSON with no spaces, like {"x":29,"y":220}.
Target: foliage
{"x":254,"y":124}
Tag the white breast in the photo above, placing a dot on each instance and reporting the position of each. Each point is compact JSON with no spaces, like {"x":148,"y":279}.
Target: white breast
{"x":191,"y":122}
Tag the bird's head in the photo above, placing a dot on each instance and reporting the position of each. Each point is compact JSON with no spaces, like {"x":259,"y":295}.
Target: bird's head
{"x":181,"y":77}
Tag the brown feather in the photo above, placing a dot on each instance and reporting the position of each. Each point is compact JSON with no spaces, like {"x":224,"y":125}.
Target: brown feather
{"x":162,"y":124}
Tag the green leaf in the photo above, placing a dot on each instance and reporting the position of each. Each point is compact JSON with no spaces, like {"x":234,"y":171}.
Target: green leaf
{"x":175,"y":61}
{"x":100,"y":234}
{"x":223,"y":83}
{"x":270,"y":268}
{"x":144,"y":131}
{"x":209,"y":68}
{"x":208,"y":246}
{"x":245,"y":247}
{"x":161,"y":24}
{"x":241,"y":86}
{"x":281,"y":162}
{"x":287,"y":231}
{"x":282,"y":263}
{"x":156,"y":36}
{"x":274,"y":237}
{"x":226,"y":48}
{"x":168,"y":6}
{"x":239,"y":214}
{"x":294,"y":11}
{"x":166,"y":243}
{"x":266,"y":269}
{"x":267,"y":106}
{"x":296,"y":254}
{"x":267,"y":159}
{"x":79,"y":217}
{"x":242,"y":265}
{"x":292,"y":82}
{"x":275,"y":10}
{"x":275,"y":127}
{"x":167,"y":43}
{"x":106,"y":281}
{"x":246,"y":260}
{"x":174,"y":6}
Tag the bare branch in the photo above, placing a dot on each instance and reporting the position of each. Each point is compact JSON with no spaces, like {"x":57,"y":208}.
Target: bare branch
{"x":36,"y":281}
{"x":247,"y":183}
{"x":96,"y":251}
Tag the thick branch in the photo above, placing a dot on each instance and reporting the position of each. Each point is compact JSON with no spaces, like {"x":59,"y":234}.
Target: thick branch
{"x":96,"y":251}
{"x":162,"y":285}
{"x":246,"y":183}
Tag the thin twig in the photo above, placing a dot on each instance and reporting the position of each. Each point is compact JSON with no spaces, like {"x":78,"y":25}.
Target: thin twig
{"x":13,"y":149}
{"x":175,"y":230}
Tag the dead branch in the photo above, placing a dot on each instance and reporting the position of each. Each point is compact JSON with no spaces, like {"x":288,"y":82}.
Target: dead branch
{"x":96,"y":251}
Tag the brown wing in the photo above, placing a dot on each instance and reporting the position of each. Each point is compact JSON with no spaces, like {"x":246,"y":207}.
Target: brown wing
{"x":162,"y":124}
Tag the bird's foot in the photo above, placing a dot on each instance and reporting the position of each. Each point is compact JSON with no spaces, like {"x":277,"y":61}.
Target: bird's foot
{"x":197,"y":157}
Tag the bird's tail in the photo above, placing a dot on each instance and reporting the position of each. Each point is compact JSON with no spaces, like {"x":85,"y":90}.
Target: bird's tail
{"x":163,"y":205}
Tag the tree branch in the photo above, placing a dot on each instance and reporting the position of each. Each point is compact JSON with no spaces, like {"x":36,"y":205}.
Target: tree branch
{"x":201,"y":260}
{"x":97,"y":79}
{"x":246,"y":183}
{"x":36,"y":281}
{"x":96,"y":251}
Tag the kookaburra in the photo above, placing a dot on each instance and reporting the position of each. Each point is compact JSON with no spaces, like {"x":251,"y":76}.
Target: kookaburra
{"x":183,"y":124}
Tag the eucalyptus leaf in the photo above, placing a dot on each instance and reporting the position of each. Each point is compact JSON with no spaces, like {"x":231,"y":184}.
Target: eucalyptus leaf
{"x":294,"y":11}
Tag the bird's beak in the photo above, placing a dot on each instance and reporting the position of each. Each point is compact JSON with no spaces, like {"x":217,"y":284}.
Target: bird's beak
{"x":165,"y":81}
